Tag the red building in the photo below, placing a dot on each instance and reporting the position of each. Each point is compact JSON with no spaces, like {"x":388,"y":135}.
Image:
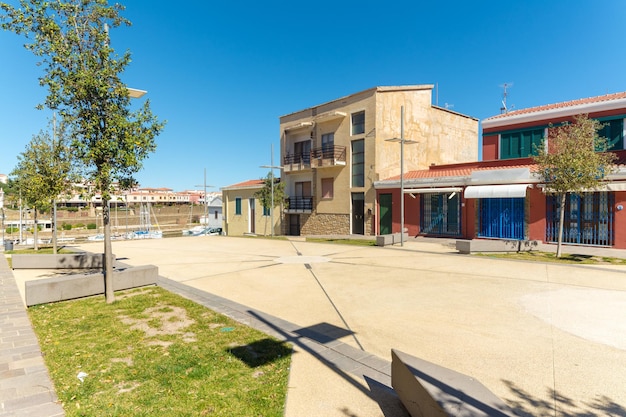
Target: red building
{"x":501,"y":197}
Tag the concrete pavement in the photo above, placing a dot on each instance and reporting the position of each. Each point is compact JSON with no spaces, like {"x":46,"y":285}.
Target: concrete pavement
{"x":548,"y":339}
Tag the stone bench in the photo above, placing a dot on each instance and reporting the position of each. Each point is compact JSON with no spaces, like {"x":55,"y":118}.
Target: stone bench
{"x":59,"y":261}
{"x":69,"y":287}
{"x":429,"y":390}
{"x":390,"y":239}
{"x":495,"y":245}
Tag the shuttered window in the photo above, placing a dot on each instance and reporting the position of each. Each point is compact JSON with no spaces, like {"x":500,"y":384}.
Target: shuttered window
{"x":520,"y":144}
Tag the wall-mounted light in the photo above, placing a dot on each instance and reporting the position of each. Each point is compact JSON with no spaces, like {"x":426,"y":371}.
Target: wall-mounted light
{"x":620,"y":207}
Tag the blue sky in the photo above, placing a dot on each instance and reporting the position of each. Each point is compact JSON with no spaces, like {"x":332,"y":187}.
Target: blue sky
{"x":222,"y":73}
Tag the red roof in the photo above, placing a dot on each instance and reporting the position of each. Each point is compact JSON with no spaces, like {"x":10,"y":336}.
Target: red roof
{"x":451,"y":171}
{"x":247,"y":184}
{"x":572,"y":103}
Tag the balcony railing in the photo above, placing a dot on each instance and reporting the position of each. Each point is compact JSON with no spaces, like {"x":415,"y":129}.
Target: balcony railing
{"x":328,"y":156}
{"x":297,"y":162}
{"x":300,"y":204}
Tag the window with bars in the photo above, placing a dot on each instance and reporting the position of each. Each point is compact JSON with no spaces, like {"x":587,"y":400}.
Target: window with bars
{"x":441,"y":214}
{"x":501,"y":218}
{"x":588,"y":219}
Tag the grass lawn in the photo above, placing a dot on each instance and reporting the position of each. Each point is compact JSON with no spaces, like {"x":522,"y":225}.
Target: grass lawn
{"x":551,"y":257}
{"x":356,"y":242}
{"x":153,"y":353}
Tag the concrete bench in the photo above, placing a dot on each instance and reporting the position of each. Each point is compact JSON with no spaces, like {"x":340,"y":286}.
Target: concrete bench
{"x":60,"y":261}
{"x":495,"y":245}
{"x":391,"y":239}
{"x":429,"y":390}
{"x":63,"y":288}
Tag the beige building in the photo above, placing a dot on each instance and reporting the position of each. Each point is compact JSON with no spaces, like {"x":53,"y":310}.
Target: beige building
{"x":243,"y":212}
{"x":334,"y":152}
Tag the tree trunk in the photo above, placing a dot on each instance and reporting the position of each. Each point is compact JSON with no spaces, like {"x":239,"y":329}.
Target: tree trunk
{"x":35,"y":231}
{"x":108,"y":255}
{"x":561,"y":221}
{"x":54,"y":227}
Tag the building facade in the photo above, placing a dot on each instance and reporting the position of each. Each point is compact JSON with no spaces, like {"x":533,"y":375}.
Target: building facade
{"x":333,"y":153}
{"x":503,"y":197}
{"x":243,"y":212}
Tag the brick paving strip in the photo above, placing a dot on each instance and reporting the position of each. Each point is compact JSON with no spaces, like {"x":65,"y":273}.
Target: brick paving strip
{"x":25,"y":386}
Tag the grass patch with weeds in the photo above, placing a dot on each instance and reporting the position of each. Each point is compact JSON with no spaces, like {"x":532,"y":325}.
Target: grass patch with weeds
{"x":43,"y":250}
{"x":154,"y":353}
{"x":356,"y":242}
{"x":565,"y":258}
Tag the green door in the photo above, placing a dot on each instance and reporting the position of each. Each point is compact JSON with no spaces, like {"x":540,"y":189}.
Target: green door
{"x":385,"y":214}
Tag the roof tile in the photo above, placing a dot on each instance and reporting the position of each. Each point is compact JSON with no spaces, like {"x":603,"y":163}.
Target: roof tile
{"x":578,"y":102}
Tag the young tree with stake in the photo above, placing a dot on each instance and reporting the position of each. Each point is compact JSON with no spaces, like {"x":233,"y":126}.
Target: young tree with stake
{"x":82,"y":74}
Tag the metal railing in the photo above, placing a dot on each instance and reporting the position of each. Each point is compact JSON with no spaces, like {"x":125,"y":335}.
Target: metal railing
{"x":332,"y":154}
{"x":300,"y":203}
{"x":297,"y":159}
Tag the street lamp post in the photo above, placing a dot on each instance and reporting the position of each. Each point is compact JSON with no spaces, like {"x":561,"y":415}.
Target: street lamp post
{"x":206,"y":203}
{"x":402,"y":141}
{"x":2,"y":209}
{"x":272,"y":167}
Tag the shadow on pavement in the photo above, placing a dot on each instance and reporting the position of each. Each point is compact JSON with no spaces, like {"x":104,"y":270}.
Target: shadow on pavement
{"x":382,"y":394}
{"x":527,"y":405}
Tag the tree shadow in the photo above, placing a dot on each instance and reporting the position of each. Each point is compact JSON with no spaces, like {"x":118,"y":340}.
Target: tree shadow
{"x":558,"y":404}
{"x":260,"y":352}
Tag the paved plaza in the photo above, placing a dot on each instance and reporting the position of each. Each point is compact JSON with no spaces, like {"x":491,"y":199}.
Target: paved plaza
{"x":541,"y":336}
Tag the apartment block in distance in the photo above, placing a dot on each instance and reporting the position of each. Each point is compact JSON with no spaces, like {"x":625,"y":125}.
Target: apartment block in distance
{"x":333,"y":153}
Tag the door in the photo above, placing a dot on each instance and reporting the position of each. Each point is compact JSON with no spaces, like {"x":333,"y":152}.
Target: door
{"x":385,"y":214}
{"x":294,"y":225}
{"x":358,"y":213}
{"x":252,"y":216}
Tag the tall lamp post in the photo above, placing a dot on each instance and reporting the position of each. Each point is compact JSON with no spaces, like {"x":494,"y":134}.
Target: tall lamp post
{"x":402,"y":141}
{"x":2,"y":212}
{"x":272,"y":167}
{"x":206,"y":203}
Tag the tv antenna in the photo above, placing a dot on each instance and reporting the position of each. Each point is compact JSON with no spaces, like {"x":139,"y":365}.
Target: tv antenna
{"x":504,"y":109}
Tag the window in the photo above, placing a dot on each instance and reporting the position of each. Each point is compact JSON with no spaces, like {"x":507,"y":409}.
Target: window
{"x":327,"y":188}
{"x":215,"y":214}
{"x":613,"y":132}
{"x":358,"y":123}
{"x":238,"y":206}
{"x":358,"y":163}
{"x":266,"y":211}
{"x":441,"y":214}
{"x":520,"y":144}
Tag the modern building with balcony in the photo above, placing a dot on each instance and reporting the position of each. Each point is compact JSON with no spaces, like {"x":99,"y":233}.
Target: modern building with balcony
{"x":333,"y":153}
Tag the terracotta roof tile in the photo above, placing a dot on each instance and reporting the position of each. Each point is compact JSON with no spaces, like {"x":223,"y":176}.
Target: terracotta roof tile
{"x":249,"y":183}
{"x":435,"y":172}
{"x":578,"y":102}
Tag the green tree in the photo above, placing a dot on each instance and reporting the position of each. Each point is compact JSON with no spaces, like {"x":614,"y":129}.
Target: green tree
{"x":574,"y":159}
{"x":265,"y":194}
{"x":82,"y":74}
{"x":43,"y":171}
